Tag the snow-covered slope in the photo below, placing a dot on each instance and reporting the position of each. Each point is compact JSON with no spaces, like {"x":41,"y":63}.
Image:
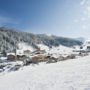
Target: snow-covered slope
{"x":67,"y":75}
{"x":25,"y":46}
{"x":56,"y":51}
{"x":86,"y":44}
{"x":61,"y":50}
{"x":43,"y":47}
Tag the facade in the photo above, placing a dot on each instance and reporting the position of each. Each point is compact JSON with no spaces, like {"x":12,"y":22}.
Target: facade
{"x":27,"y":52}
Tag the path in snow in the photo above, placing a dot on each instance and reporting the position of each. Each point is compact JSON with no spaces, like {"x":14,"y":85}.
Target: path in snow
{"x":65,"y":75}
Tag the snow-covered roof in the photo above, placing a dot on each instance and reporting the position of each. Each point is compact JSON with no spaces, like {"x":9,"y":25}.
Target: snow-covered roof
{"x":14,"y":54}
{"x":10,"y":53}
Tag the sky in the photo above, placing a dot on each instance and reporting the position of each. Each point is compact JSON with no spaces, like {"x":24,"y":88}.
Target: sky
{"x":67,"y":18}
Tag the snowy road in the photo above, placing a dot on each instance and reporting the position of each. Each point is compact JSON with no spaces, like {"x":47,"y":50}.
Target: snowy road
{"x":65,"y":75}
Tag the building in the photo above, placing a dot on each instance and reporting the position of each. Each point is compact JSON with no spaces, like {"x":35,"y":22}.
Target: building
{"x":86,"y":45}
{"x":39,"y":52}
{"x":27,"y":52}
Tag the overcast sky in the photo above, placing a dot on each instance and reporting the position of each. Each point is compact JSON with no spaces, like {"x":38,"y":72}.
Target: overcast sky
{"x":68,"y":18}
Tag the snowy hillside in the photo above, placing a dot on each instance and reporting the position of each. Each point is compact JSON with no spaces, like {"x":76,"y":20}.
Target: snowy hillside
{"x":9,"y":39}
{"x":56,"y":51}
{"x":61,"y":50}
{"x":43,"y":47}
{"x":25,"y":46}
{"x":67,"y":75}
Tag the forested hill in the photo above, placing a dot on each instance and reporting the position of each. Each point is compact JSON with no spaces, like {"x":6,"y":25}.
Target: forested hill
{"x":9,"y":39}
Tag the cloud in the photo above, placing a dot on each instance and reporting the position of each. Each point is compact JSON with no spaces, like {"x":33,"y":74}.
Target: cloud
{"x":7,"y":20}
{"x":82,"y":2}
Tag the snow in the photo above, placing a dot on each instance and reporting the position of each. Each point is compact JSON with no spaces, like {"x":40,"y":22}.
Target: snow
{"x":11,"y":63}
{"x":43,"y":47}
{"x":10,"y":53}
{"x":65,"y":75}
{"x":3,"y":58}
{"x":24,"y":46}
{"x":56,"y":51}
{"x":9,"y":66}
{"x":60,"y":50}
{"x":86,"y":43}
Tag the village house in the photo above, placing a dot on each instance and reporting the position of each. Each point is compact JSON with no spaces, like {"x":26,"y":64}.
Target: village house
{"x":13,"y":56}
{"x":38,"y":58}
{"x":20,"y":57}
{"x":27,"y":52}
{"x":39,"y":52}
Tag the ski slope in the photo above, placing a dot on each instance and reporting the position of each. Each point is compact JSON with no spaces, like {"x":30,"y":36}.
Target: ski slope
{"x":65,"y":75}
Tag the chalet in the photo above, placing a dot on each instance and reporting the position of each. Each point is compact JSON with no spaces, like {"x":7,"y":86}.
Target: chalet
{"x":61,"y":58}
{"x":36,"y":58}
{"x":11,"y":57}
{"x":39,"y":52}
{"x":42,"y":57}
{"x":72,"y":56}
{"x":20,"y":57}
{"x":27,"y":52}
